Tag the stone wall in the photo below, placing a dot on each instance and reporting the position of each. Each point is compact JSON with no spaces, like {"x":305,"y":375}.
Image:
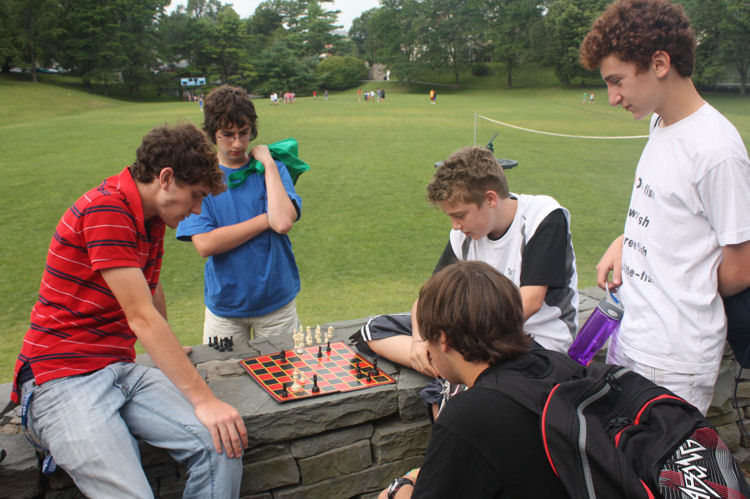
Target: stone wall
{"x":340,"y":445}
{"x":336,"y":446}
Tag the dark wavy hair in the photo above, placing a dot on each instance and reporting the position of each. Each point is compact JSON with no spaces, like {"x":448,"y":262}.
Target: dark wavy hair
{"x":633,"y":30}
{"x":466,"y":175}
{"x":478,"y":309}
{"x":186,"y":150}
{"x":228,"y":106}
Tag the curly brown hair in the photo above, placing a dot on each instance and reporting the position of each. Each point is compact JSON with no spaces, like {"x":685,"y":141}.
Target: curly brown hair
{"x":478,"y":309}
{"x":633,"y":30}
{"x":228,"y":106}
{"x":466,"y":175}
{"x":186,"y":150}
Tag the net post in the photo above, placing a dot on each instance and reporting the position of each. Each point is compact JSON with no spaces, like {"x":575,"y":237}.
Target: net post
{"x":475,"y":128}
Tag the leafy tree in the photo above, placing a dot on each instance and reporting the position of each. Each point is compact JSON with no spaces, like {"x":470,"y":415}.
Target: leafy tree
{"x":90,"y":46}
{"x":723,"y":32}
{"x":340,"y":73}
{"x":138,"y":38}
{"x":452,"y":33}
{"x":32,"y":27}
{"x":395,"y":29}
{"x":566,"y":24}
{"x":279,"y":69}
{"x":513,"y":24}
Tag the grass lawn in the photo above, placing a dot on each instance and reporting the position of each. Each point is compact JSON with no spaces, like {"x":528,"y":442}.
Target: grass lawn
{"x":367,"y":238}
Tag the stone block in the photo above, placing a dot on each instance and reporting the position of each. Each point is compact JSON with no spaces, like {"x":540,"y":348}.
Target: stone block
{"x":730,"y":434}
{"x":724,"y":388}
{"x":723,"y":418}
{"x":336,"y":462}
{"x":410,"y":404}
{"x":152,"y":456}
{"x":19,"y":472}
{"x":394,"y":440}
{"x":264,"y":475}
{"x":268,"y":421}
{"x":374,"y":478}
{"x":262,"y":495}
{"x":70,"y":493}
{"x":60,"y":480}
{"x":205,"y":353}
{"x":217,"y":369}
{"x":264,"y":452}
{"x":5,"y":391}
{"x":169,"y":486}
{"x":317,"y":444}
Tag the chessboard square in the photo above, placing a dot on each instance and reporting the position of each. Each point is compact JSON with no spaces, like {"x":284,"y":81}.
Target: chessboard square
{"x":260,"y":371}
{"x":305,"y":369}
{"x":268,"y":363}
{"x":354,"y":384}
{"x":266,"y":376}
{"x":274,"y":369}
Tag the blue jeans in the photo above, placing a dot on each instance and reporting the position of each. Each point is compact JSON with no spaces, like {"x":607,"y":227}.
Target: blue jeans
{"x":89,"y":424}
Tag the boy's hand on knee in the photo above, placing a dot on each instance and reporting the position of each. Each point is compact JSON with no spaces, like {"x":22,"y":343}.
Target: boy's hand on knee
{"x":225,"y":424}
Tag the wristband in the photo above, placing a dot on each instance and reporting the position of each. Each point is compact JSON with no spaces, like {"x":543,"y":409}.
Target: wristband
{"x":397,"y":484}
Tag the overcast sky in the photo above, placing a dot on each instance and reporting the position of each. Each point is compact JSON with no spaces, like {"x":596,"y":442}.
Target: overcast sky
{"x":349,"y":8}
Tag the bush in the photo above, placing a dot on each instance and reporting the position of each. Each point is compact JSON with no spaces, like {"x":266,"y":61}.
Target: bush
{"x":480,"y":69}
{"x":341,"y":73}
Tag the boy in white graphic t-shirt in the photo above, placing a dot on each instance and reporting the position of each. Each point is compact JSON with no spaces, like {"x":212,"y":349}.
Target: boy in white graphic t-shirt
{"x":686,"y":236}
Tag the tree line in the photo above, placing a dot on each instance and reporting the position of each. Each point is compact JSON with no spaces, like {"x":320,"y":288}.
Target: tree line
{"x":297,"y":45}
{"x":411,"y":35}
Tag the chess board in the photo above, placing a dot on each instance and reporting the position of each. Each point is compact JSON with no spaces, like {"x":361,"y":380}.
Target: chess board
{"x":336,"y":371}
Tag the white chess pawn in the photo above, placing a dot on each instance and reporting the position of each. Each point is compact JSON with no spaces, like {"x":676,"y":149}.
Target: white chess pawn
{"x":296,"y":387}
{"x":309,"y":338}
{"x":318,"y":337}
{"x":329,"y":333}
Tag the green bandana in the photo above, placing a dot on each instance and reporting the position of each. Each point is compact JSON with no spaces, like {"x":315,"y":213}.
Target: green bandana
{"x":285,"y":150}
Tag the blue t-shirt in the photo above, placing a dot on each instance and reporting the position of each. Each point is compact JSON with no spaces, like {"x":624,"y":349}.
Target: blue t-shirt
{"x":259,"y":276}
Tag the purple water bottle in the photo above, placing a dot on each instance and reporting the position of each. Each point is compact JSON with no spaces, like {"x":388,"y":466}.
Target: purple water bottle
{"x":600,"y":325}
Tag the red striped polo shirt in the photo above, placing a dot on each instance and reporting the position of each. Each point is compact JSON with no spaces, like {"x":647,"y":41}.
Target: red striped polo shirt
{"x":77,"y":325}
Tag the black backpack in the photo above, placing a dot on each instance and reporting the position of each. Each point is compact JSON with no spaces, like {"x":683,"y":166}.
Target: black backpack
{"x":609,"y":432}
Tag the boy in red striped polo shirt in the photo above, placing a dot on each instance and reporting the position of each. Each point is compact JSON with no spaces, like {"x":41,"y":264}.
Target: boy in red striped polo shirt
{"x":84,"y":399}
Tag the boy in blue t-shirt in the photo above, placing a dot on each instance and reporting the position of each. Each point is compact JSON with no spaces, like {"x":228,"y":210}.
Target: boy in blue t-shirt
{"x":251,"y":276}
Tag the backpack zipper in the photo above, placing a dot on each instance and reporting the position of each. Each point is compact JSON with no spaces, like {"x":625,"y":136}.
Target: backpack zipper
{"x":610,"y":384}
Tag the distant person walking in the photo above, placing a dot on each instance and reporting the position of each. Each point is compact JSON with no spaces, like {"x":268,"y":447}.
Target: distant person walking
{"x":433,"y":96}
{"x":591,"y":97}
{"x":585,"y":97}
{"x":359,"y":95}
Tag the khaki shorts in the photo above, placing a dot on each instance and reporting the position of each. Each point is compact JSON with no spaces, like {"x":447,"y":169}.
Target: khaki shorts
{"x":281,"y":321}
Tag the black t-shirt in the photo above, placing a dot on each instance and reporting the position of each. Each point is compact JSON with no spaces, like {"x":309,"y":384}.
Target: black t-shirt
{"x":484,"y":444}
{"x":543,"y":262}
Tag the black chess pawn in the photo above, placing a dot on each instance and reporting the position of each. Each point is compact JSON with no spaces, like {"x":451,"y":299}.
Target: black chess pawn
{"x":216,"y":342}
{"x":315,"y":388}
{"x":284,"y":391}
{"x":222,"y":343}
{"x":375,"y":366}
{"x":320,"y":351}
{"x":282,"y":357}
{"x":210,"y":341}
{"x":369,"y":375}
{"x":328,"y":347}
